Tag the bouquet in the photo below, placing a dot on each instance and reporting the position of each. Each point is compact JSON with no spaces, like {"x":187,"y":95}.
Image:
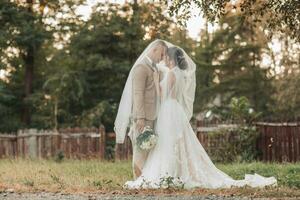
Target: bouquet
{"x":147,"y":139}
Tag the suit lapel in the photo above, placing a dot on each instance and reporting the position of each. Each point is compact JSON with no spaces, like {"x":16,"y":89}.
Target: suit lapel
{"x":146,"y":61}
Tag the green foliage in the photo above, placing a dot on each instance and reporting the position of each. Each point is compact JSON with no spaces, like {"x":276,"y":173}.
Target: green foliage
{"x":99,"y":184}
{"x":236,"y":144}
{"x":228,"y":65}
{"x":292,"y":177}
{"x":274,"y":15}
{"x":8,"y":119}
{"x":242,"y":112}
{"x":169,"y":182}
{"x":28,"y":182}
{"x":102,"y":113}
{"x":147,"y":137}
{"x":56,"y":179}
{"x":62,"y":88}
{"x":287,"y":98}
{"x":102,"y":53}
{"x":59,"y":157}
{"x":239,"y":110}
{"x":80,"y":83}
{"x":26,"y":44}
{"x":110,"y":150}
{"x":20,"y":28}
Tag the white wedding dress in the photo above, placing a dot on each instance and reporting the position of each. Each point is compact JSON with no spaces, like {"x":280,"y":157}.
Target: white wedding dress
{"x":178,"y":153}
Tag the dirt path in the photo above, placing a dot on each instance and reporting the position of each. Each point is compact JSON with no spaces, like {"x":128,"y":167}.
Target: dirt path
{"x":62,"y":196}
{"x":53,"y":196}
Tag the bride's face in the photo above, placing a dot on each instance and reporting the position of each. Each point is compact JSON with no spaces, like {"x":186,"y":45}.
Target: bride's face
{"x":169,"y":62}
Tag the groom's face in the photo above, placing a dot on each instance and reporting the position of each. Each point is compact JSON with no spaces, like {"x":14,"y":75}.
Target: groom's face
{"x":158,"y":53}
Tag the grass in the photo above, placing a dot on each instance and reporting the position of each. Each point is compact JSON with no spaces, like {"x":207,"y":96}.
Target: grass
{"x":106,"y":177}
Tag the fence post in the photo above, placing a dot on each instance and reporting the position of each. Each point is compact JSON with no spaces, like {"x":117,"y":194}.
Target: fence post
{"x":118,"y":148}
{"x":123,"y":151}
{"x":118,"y":151}
{"x":102,"y":141}
{"x":32,"y":143}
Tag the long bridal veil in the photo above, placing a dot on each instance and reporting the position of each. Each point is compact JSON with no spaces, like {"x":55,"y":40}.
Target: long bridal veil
{"x":125,"y":107}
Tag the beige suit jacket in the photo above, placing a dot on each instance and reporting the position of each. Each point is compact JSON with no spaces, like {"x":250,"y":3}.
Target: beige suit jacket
{"x":144,"y":92}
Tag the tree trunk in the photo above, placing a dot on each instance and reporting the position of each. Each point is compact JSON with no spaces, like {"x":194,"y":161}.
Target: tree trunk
{"x":29,"y":68}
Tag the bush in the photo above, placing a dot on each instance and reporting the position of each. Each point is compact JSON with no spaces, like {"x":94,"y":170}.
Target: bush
{"x":237,"y":144}
{"x":234,"y":144}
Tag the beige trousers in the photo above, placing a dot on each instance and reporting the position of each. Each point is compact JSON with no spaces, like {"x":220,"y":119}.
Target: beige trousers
{"x":138,"y":156}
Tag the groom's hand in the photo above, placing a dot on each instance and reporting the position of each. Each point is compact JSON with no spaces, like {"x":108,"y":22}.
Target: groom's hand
{"x":140,"y":124}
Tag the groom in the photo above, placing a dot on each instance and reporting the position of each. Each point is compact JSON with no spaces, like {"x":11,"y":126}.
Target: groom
{"x":144,"y":100}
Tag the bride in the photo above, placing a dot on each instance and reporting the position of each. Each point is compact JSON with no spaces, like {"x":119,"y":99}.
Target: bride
{"x":178,"y":157}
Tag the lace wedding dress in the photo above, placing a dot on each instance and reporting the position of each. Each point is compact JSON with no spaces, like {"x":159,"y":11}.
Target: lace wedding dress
{"x":178,"y":157}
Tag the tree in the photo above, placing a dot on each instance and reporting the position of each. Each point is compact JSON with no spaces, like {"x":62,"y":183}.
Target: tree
{"x":286,"y":82}
{"x":8,"y":119}
{"x":25,"y":35}
{"x":228,"y":63}
{"x":102,"y":53}
{"x":275,"y":15}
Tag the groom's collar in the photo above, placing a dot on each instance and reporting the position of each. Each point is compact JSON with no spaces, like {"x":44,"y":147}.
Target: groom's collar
{"x":149,"y":59}
{"x":150,"y":63}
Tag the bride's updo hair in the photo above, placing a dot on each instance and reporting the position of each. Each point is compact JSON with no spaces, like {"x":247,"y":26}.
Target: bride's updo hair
{"x":176,"y":54}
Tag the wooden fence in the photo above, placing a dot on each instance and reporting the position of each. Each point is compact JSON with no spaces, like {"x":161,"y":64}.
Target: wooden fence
{"x":72,"y":142}
{"x":123,"y":151}
{"x":211,"y":144}
{"x":278,"y":142}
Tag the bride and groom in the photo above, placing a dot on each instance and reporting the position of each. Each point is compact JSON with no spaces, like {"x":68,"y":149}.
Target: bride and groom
{"x":159,"y":93}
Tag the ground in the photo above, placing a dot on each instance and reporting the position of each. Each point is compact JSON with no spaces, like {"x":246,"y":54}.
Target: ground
{"x":94,"y":179}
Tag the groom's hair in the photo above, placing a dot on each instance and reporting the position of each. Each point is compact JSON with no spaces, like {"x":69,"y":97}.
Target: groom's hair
{"x":160,"y":43}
